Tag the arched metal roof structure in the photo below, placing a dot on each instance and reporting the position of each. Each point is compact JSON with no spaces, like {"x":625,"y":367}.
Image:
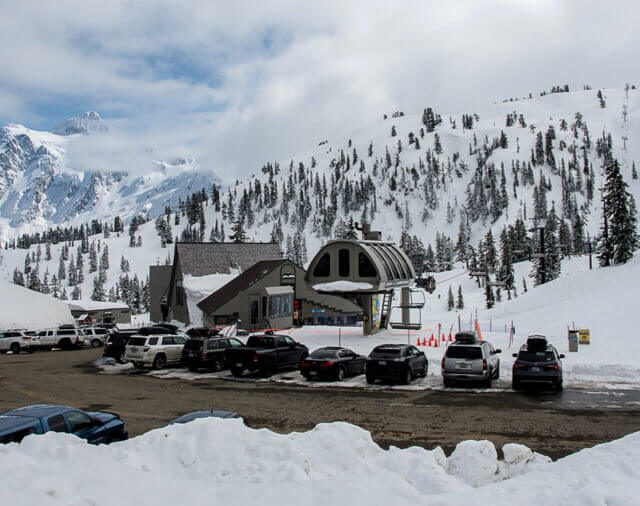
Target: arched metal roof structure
{"x":348,"y":266}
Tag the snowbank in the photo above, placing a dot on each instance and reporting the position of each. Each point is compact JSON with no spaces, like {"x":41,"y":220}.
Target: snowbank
{"x":213,"y":461}
{"x":197,"y":288}
{"x":342,"y":286}
{"x":21,"y":308}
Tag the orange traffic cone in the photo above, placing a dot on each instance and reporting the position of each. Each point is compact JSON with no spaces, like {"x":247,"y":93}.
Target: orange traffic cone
{"x":418,"y":342}
{"x":436,"y":343}
{"x":450,"y":337}
{"x":443,"y":338}
{"x":424,"y":341}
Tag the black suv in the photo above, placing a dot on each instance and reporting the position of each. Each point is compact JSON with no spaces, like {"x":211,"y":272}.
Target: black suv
{"x":537,"y":362}
{"x":397,"y":362}
{"x":115,"y":344}
{"x":208,"y":352}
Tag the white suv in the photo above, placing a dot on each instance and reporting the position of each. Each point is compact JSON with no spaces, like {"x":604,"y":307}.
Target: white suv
{"x":16,"y":341}
{"x":65,"y":337}
{"x":95,"y":336}
{"x":156,"y":351}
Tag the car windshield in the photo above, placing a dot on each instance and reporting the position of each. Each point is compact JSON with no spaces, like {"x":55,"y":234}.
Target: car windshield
{"x":386,"y":352}
{"x":468,"y":352}
{"x":137,"y":341}
{"x":536,"y":356}
{"x":324,"y":354}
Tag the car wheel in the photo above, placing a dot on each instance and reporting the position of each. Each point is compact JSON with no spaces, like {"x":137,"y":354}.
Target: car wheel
{"x":15,"y":348}
{"x":236,"y":371}
{"x":122,"y":359}
{"x":96,"y":343}
{"x":408,"y":376}
{"x":515,"y":384}
{"x":370,"y":379}
{"x":340,"y":374}
{"x":497,"y":375}
{"x":424,"y":370}
{"x":218,"y":365}
{"x":160,"y":361}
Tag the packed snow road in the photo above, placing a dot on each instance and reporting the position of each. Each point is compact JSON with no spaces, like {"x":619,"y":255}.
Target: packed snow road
{"x":551,"y":424}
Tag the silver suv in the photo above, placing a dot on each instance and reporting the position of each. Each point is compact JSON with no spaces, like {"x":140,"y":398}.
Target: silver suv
{"x":95,"y":336}
{"x":155,"y":351}
{"x":16,"y":341}
{"x":469,"y":359}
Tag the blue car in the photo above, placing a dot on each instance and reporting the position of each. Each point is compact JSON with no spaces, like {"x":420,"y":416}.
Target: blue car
{"x":94,"y":426}
{"x":194,"y":415}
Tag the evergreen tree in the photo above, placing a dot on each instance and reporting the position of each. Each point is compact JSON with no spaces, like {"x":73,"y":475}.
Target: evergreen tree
{"x":460,"y":301}
{"x":62,"y":271}
{"x":76,"y":293}
{"x":619,"y":238}
{"x":238,"y":235}
{"x":437,"y":144}
{"x":490,"y":253}
{"x":450,"y":300}
{"x":98,"y":289}
{"x":507,"y":275}
{"x":93,"y":258}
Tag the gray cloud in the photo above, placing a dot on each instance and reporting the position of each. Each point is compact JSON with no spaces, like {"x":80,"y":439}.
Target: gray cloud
{"x":236,"y":84}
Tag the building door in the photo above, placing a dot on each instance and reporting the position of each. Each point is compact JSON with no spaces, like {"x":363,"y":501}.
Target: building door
{"x":254,"y":312}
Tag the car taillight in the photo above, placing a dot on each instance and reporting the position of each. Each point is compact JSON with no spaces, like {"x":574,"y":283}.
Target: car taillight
{"x":484,"y":364}
{"x":553,"y":367}
{"x":304,"y":363}
{"x":256,"y":358}
{"x":328,"y":363}
{"x":26,"y":338}
{"x":204,"y":355}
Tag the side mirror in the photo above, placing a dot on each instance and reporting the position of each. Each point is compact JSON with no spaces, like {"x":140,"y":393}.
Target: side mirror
{"x":561,"y":355}
{"x":514,"y":355}
{"x":498,"y":351}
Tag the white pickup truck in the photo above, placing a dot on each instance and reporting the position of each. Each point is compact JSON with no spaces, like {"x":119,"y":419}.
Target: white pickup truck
{"x":64,"y":337}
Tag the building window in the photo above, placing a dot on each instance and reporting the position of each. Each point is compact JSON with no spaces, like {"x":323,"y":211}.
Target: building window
{"x":366,"y":269}
{"x":280,"y":305}
{"x":323,"y":267}
{"x":343,"y":263}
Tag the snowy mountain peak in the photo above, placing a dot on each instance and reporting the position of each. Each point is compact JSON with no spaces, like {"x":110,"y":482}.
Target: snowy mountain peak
{"x":89,"y":122}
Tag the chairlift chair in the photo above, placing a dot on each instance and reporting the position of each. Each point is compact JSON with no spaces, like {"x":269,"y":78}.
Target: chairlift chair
{"x":418,"y":304}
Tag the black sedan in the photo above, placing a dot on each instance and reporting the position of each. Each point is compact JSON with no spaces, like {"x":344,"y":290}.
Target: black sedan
{"x":332,"y":362}
{"x":396,"y":362}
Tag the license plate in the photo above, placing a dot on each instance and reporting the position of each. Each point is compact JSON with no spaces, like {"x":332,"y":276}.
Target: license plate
{"x":239,"y":364}
{"x":382,"y":362}
{"x":192,"y":353}
{"x":535,"y":369}
{"x":313,"y":373}
{"x":464,"y":365}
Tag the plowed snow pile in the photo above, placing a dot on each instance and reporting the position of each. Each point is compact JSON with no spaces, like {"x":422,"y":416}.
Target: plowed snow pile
{"x":223,"y":462}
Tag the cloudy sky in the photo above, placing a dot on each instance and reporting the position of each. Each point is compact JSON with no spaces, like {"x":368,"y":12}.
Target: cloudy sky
{"x":239,"y":83}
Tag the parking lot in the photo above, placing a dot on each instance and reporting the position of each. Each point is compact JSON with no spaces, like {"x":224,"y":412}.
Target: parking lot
{"x":552,"y":424}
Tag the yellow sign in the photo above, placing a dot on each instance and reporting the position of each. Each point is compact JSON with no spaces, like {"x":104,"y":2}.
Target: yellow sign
{"x":584,"y":336}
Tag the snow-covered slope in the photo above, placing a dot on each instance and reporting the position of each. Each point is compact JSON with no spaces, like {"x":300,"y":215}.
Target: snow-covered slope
{"x":223,"y":462}
{"x":301,"y":201}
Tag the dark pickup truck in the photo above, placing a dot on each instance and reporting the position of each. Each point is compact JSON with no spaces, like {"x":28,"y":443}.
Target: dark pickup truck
{"x":266,"y":353}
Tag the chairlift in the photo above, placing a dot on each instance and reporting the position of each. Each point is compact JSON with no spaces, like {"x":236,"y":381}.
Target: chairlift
{"x":414,"y":303}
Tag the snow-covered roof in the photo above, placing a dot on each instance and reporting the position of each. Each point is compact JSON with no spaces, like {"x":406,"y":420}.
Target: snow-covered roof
{"x":94,"y":305}
{"x":21,"y":308}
